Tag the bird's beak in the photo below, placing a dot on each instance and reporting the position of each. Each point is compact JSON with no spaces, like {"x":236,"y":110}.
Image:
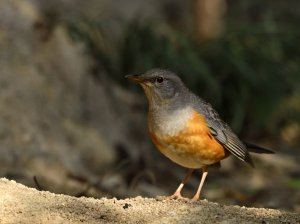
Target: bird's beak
{"x":136,"y":78}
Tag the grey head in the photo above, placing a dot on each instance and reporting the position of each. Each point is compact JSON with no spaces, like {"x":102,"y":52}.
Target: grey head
{"x":162,"y":87}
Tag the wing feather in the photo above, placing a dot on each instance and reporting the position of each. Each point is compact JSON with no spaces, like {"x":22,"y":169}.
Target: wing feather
{"x":223,"y":133}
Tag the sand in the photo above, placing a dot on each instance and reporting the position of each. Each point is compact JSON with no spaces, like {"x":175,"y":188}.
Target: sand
{"x":20,"y":204}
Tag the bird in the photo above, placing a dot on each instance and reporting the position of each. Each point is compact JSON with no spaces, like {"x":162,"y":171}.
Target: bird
{"x":186,"y":129}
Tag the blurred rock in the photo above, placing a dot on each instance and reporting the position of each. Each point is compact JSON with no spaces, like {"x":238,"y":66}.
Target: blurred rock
{"x":43,"y":130}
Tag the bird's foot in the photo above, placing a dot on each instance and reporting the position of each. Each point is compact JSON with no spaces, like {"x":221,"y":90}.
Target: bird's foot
{"x":195,"y":199}
{"x":177,"y":196}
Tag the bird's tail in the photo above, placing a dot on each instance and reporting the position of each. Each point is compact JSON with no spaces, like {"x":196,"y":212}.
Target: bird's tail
{"x":257,"y":149}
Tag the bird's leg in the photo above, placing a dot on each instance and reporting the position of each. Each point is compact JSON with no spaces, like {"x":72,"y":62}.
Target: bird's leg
{"x":204,"y":174}
{"x":177,"y":194}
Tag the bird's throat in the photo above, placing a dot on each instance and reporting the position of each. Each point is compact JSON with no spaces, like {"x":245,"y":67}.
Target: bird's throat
{"x":168,"y":122}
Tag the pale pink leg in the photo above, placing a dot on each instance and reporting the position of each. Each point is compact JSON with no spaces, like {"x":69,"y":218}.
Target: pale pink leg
{"x":204,"y":174}
{"x":177,"y":194}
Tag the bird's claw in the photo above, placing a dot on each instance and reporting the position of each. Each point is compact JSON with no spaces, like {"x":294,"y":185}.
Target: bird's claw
{"x":177,"y":196}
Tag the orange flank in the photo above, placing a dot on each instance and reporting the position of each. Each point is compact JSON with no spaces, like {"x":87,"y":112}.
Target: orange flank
{"x":193,"y":147}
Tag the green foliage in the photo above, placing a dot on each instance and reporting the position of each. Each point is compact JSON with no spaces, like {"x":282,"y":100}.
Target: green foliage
{"x":98,"y":40}
{"x":245,"y":76}
{"x":248,"y":74}
{"x":294,"y":183}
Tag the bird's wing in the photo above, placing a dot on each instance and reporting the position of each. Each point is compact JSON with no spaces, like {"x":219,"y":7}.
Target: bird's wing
{"x":223,"y":133}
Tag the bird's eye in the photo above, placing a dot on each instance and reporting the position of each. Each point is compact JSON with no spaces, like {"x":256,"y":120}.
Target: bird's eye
{"x":159,"y":79}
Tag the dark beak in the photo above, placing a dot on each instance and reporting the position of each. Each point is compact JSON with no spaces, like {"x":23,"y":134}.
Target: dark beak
{"x":136,"y":78}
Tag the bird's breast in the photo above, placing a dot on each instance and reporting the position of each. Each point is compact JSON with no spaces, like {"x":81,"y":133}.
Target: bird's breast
{"x":169,"y":123}
{"x":186,"y":140}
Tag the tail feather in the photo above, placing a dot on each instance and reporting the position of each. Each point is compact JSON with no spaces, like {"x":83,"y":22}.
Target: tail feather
{"x":257,"y":149}
{"x":248,"y":159}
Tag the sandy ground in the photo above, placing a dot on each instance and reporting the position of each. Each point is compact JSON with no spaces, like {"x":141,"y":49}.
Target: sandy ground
{"x":20,"y":204}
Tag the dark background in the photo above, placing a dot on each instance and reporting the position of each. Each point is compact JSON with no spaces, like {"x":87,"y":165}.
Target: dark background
{"x":69,"y":118}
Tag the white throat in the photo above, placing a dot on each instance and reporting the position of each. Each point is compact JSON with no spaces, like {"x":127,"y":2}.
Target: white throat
{"x":169,"y":123}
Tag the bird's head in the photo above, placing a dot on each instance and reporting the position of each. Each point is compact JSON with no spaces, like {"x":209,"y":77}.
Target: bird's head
{"x":160,"y":86}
